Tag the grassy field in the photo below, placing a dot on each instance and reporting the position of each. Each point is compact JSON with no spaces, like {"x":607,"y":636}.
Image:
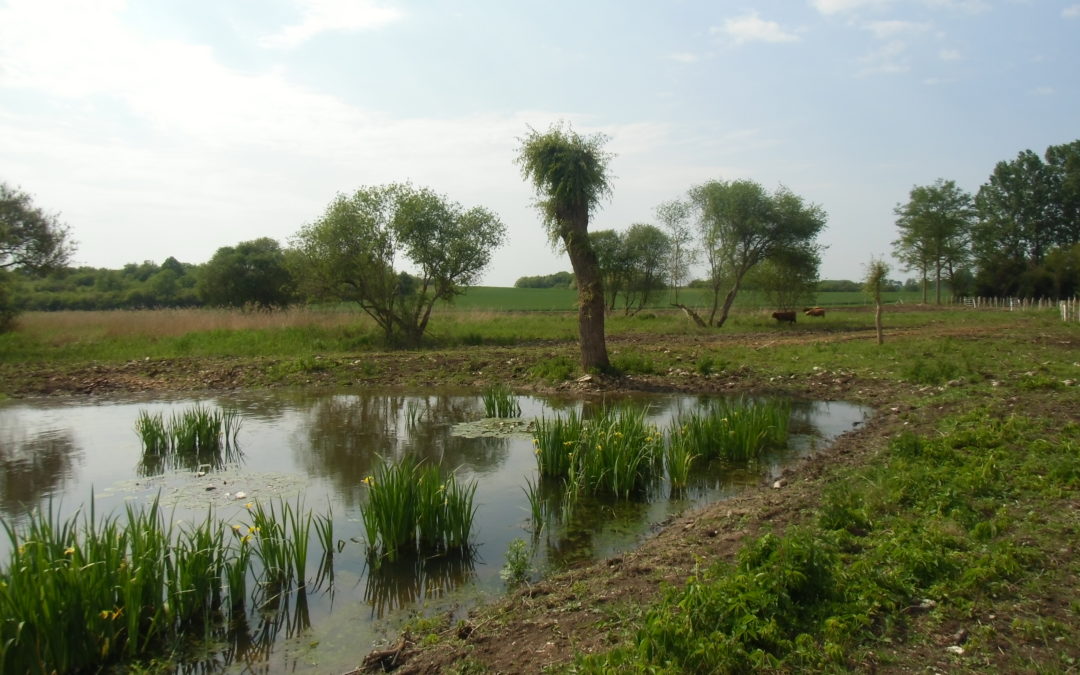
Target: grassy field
{"x":484,"y":316}
{"x":565,"y":299}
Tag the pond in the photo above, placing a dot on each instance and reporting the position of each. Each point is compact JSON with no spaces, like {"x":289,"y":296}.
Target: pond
{"x":318,"y":447}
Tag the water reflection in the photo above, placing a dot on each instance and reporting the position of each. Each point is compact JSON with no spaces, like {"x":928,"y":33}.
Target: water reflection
{"x":155,"y":463}
{"x":343,"y":437}
{"x":413,"y":580}
{"x":33,"y":467}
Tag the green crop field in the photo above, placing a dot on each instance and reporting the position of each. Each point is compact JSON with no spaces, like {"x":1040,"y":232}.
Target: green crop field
{"x":494,"y":298}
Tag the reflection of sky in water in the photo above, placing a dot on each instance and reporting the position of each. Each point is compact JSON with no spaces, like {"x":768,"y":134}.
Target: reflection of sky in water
{"x":321,"y":446}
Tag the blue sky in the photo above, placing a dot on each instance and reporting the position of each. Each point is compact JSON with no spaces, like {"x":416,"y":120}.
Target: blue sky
{"x":174,"y":128}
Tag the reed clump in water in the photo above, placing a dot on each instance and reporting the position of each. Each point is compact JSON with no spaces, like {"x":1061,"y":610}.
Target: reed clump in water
{"x":500,"y":402}
{"x":188,"y":439}
{"x":416,"y":507}
{"x":80,"y":593}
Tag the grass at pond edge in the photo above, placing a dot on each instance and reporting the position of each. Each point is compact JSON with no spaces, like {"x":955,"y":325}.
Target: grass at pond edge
{"x":925,"y":546}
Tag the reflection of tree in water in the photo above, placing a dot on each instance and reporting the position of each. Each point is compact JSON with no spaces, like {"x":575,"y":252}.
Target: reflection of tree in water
{"x":414,"y":579}
{"x":33,"y":468}
{"x":346,"y":436}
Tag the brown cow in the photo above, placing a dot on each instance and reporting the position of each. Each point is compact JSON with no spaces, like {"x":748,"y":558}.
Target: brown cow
{"x":814,"y":311}
{"x":789,"y":317}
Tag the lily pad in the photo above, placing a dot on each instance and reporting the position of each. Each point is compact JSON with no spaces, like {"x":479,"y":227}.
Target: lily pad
{"x":232,"y":485}
{"x":494,"y":427}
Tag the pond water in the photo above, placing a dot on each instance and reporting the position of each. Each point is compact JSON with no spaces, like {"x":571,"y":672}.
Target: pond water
{"x":319,"y":446}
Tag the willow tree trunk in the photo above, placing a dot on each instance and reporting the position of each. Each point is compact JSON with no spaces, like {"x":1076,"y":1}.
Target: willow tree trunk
{"x":594,"y":356}
{"x":877,"y":322}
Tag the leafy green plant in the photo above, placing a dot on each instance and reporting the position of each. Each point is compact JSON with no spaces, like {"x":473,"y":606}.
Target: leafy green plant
{"x":635,"y":362}
{"x":517,"y":568}
{"x":558,"y":369}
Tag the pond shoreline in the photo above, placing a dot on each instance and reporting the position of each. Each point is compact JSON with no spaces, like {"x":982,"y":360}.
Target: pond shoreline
{"x":545,"y":624}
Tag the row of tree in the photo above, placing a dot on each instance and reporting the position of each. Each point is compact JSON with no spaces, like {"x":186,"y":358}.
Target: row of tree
{"x":1019,"y":235}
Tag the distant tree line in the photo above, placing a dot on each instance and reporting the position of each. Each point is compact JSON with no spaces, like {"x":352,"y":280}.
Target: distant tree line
{"x":1019,"y":235}
{"x":557,"y":280}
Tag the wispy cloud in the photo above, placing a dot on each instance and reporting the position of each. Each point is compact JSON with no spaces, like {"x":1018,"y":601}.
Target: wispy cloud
{"x":684,"y":57}
{"x":841,"y":6}
{"x":890,"y":58}
{"x":321,"y":16}
{"x":969,"y":6}
{"x":884,"y":30}
{"x":752,"y":28}
{"x":950,"y":55}
{"x":1071,"y":12}
{"x":1043,"y":91}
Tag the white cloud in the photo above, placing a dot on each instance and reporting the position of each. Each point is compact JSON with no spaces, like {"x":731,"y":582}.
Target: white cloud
{"x":884,"y":30}
{"x":684,"y":57}
{"x":320,"y":16}
{"x":752,"y":28}
{"x":840,"y":6}
{"x":890,"y":58}
{"x":950,"y":55}
{"x":1043,"y":91}
{"x":969,"y":6}
{"x":1071,"y":12}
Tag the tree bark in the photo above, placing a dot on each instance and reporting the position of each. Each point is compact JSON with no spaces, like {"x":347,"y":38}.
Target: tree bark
{"x":877,"y":323}
{"x":692,"y":314}
{"x":591,"y":306}
{"x":729,"y":300}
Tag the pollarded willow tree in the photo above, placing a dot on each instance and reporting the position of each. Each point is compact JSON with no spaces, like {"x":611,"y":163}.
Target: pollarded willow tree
{"x":742,"y":225}
{"x":570,"y":174}
{"x":874,"y":282}
{"x":352,"y":251}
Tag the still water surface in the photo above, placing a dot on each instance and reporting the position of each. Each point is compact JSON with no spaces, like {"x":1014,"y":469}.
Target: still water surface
{"x":318,"y":446}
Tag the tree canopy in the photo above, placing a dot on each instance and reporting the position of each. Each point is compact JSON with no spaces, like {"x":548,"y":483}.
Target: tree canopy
{"x":250,"y":273}
{"x":32,"y":242}
{"x":935,"y":232}
{"x":1027,"y":209}
{"x":632,"y":264}
{"x":570,"y":174}
{"x":351,"y":253}
{"x":30,"y":239}
{"x":742,"y":225}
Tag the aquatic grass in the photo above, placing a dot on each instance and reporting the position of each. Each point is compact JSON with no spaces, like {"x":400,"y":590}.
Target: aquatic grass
{"x":731,"y":429}
{"x":500,"y":402}
{"x":458,"y":513}
{"x":678,"y":459}
{"x":555,"y":440}
{"x":619,"y":453}
{"x":615,"y":452}
{"x":188,"y":439}
{"x":81,"y":592}
{"x":416,"y":507}
{"x":153,"y":432}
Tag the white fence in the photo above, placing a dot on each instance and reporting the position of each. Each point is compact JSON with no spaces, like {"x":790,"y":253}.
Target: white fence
{"x":1070,"y":308}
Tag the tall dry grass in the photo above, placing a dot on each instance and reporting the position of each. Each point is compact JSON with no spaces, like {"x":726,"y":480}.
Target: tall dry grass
{"x":70,"y":326}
